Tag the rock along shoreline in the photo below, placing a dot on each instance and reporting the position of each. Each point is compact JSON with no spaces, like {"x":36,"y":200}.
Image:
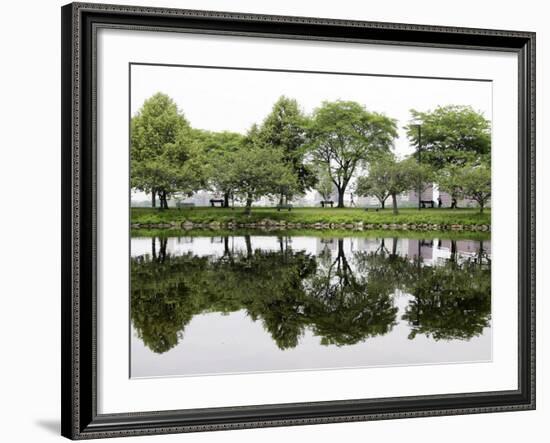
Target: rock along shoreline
{"x":278,"y":225}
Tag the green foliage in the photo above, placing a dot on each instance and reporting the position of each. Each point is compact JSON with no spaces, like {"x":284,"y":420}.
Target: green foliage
{"x":253,"y":172}
{"x":420,"y":175}
{"x":450,"y":181}
{"x":290,"y":153}
{"x":285,"y":129}
{"x":284,"y":290}
{"x":325,"y":234}
{"x":218,"y":149}
{"x":344,"y":135}
{"x":343,"y":298}
{"x":373,"y":185}
{"x":159,"y":136}
{"x":470,"y":181}
{"x":310,"y":216}
{"x":324,"y":185}
{"x":476,"y":183}
{"x":156,"y":125}
{"x":451,"y":135}
{"x":390,"y":177}
{"x":450,"y":301}
{"x":350,"y":306}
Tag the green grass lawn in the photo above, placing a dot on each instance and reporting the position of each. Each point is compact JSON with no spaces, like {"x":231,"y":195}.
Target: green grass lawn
{"x":312,"y":215}
{"x":321,"y":233}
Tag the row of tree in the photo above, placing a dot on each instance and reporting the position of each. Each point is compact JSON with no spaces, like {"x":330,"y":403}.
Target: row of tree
{"x":389,"y":177}
{"x":290,"y":153}
{"x":343,"y":298}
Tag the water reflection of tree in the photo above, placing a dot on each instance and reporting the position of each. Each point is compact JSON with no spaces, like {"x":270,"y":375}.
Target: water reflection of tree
{"x":161,"y":301}
{"x":284,"y":289}
{"x":346,"y":306}
{"x":451,"y":301}
{"x":343,"y":298}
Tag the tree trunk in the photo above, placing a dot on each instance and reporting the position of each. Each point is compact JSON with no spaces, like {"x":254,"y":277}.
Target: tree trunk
{"x":161,"y":203}
{"x":453,"y":250}
{"x":226,"y":246}
{"x":481,"y":207}
{"x":162,"y":252}
{"x":281,"y":199}
{"x":341,"y":197}
{"x":248,"y":246}
{"x":153,"y":198}
{"x":162,"y":198}
{"x":226,"y":200}
{"x":248,"y":206}
{"x":394,"y":203}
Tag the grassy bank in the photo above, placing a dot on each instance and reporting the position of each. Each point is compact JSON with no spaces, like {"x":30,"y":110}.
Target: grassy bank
{"x":311,"y":216}
{"x":331,"y":233}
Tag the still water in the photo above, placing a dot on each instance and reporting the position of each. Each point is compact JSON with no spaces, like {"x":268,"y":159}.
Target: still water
{"x":203,"y":304}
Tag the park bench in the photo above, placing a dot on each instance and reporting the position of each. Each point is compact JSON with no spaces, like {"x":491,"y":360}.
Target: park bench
{"x":326,"y":203}
{"x":287,"y":206}
{"x":423,"y":203}
{"x":213,"y":202}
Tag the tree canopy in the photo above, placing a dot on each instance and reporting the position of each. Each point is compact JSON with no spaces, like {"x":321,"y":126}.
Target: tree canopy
{"x":253,"y":172}
{"x":450,"y":135}
{"x":156,"y":130}
{"x":285,"y":128}
{"x":389,"y":177}
{"x":289,"y":153}
{"x":344,"y":135}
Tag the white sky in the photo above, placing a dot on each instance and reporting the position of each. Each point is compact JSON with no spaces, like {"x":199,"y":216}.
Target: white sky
{"x":232,"y":100}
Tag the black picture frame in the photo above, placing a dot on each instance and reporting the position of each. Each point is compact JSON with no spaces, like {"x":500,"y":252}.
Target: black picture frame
{"x":79,"y":391}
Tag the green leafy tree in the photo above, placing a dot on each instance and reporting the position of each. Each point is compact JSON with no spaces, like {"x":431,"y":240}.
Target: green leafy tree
{"x":450,"y":135}
{"x":471,"y":181}
{"x":254,"y":172}
{"x":188,"y":164}
{"x":154,"y":130}
{"x":344,"y":135}
{"x":373,"y":185}
{"x":324,"y":185}
{"x":421,"y":176}
{"x":217,"y":149}
{"x":449,"y":180}
{"x":285,"y":128}
{"x":390,"y":177}
{"x":476,"y":183}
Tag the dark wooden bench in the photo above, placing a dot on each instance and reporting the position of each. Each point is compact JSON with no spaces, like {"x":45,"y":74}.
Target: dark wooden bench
{"x":423,"y":203}
{"x":213,"y":202}
{"x":279,"y":207}
{"x":326,"y":203}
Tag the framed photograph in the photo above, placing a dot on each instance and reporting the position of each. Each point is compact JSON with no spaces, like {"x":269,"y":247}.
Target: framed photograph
{"x":273,"y":221}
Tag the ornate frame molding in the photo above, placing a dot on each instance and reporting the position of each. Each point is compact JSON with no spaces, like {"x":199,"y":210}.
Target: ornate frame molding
{"x":79,"y":392}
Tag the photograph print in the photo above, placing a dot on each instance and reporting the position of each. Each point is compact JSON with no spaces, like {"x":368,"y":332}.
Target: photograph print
{"x":295,"y":220}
